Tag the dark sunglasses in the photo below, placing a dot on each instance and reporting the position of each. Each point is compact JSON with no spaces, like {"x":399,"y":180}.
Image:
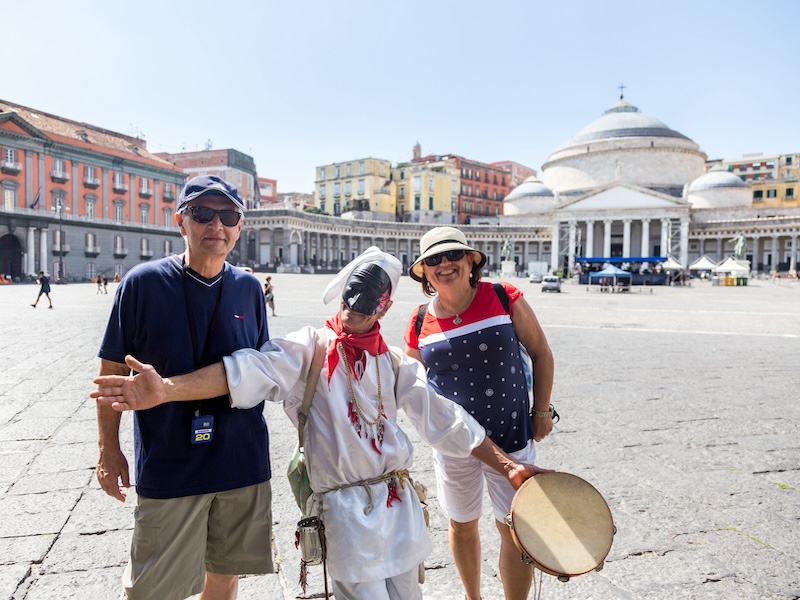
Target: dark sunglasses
{"x":452,"y":256}
{"x":203,"y":214}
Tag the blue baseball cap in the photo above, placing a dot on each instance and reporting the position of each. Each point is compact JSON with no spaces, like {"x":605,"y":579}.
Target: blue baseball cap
{"x":207,"y":184}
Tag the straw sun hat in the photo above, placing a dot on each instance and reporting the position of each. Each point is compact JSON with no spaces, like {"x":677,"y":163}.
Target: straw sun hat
{"x":442,"y":239}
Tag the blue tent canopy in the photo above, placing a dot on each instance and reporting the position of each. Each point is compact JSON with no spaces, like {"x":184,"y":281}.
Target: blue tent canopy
{"x":610,"y":271}
{"x":621,"y":259}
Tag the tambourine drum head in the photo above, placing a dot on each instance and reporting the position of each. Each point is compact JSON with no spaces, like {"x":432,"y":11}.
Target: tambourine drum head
{"x":562,"y":523}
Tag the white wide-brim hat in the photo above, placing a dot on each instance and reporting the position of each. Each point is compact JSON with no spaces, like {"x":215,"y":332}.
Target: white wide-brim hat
{"x":442,"y":239}
{"x":373,"y":254}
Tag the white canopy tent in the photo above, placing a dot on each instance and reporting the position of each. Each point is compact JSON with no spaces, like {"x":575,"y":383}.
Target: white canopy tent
{"x":734,"y":267}
{"x":671,"y":265}
{"x":703,"y":264}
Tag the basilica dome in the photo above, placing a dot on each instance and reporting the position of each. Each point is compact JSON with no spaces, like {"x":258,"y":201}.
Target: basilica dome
{"x":529,"y":197}
{"x":718,"y":189}
{"x":628,"y":146}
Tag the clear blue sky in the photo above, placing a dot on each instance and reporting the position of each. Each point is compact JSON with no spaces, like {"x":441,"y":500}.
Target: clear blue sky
{"x":297,"y":84}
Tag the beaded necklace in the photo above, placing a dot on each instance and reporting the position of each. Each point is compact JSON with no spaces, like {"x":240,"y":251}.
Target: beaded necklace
{"x":372,"y":429}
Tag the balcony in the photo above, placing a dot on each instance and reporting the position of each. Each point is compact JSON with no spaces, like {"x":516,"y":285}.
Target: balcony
{"x":145,"y":254}
{"x":62,"y":251}
{"x":120,"y":252}
{"x":120,"y":187}
{"x":10,"y":167}
{"x":91,"y":251}
{"x":169,"y":196}
{"x":145,"y":192}
{"x":59,"y":176}
{"x":91,"y":182}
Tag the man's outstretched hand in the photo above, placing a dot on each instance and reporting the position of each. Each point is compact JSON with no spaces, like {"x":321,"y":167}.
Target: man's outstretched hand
{"x":144,"y":390}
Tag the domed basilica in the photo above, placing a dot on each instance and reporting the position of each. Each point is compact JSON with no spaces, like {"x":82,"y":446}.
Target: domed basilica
{"x":628,"y":189}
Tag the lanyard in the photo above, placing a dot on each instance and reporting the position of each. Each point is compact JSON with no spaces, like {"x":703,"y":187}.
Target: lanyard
{"x":199,"y":359}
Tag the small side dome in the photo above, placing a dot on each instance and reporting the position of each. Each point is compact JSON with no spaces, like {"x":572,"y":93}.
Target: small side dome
{"x":531,"y":187}
{"x":716,"y":179}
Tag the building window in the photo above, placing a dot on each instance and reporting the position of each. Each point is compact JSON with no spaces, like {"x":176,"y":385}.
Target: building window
{"x":402,"y":192}
{"x":167,"y":216}
{"x":381,"y":169}
{"x":338,"y":172}
{"x":361,"y":186}
{"x":772,"y":193}
{"x":322,"y":191}
{"x":9,"y":195}
{"x":322,"y":174}
{"x":417,"y":183}
{"x":91,"y":242}
{"x":144,"y":214}
{"x":348,"y":188}
{"x":402,"y":174}
{"x":758,"y":195}
{"x":119,"y":244}
{"x":59,"y":172}
{"x":337,"y":189}
{"x":416,"y":202}
{"x":119,"y":182}
{"x":167,"y":247}
{"x":430,"y":202}
{"x":348,"y":170}
{"x":430,"y":184}
{"x":119,"y":211}
{"x":361,"y":168}
{"x":90,"y":178}
{"x":790,"y":193}
{"x":89,"y":204}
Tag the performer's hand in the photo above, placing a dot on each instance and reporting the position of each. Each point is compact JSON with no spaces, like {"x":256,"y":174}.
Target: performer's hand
{"x":520,"y":473}
{"x":542,"y":426}
{"x":139,"y":392}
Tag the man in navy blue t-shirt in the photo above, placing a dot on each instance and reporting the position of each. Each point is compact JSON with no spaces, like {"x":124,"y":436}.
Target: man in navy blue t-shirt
{"x":203,"y":513}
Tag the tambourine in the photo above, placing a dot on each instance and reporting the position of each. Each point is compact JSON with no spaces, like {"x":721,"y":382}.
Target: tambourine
{"x":561,"y":524}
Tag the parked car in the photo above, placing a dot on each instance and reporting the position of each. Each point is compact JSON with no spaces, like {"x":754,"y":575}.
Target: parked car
{"x":551,"y":283}
{"x":535,"y":278}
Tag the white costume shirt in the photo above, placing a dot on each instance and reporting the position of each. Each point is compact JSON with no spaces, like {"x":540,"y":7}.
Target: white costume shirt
{"x":381,"y":542}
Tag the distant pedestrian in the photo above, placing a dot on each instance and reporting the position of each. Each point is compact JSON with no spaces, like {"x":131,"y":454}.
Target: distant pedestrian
{"x":269,"y":293}
{"x":44,"y":288}
{"x":105,"y":284}
{"x":99,"y":285}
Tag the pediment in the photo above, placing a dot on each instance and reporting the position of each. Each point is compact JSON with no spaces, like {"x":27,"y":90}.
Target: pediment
{"x":12,"y":122}
{"x":622,"y":197}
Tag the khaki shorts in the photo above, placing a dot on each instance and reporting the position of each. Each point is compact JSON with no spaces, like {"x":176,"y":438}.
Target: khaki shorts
{"x":175,"y":541}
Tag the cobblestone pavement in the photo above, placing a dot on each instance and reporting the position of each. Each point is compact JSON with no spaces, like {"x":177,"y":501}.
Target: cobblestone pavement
{"x":680,"y":405}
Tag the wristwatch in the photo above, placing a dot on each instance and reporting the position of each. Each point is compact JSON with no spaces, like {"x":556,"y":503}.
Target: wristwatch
{"x":543,"y":413}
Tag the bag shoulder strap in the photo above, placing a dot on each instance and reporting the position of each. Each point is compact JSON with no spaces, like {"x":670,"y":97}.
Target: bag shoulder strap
{"x":311,"y":382}
{"x":420,"y":317}
{"x":502,"y":296}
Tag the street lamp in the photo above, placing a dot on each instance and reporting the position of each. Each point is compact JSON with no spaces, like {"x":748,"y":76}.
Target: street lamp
{"x":60,"y":208}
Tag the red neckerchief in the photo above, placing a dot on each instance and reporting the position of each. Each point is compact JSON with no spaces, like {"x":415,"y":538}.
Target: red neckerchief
{"x":370,"y":342}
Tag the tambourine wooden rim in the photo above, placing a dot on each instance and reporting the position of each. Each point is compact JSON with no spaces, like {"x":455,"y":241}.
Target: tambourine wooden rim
{"x":562,"y":524}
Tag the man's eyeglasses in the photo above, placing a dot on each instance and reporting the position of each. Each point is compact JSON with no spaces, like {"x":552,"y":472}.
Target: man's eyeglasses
{"x":452,"y":256}
{"x":203,"y":214}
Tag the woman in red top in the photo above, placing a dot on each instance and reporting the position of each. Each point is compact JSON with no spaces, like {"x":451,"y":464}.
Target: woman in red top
{"x":469,"y":343}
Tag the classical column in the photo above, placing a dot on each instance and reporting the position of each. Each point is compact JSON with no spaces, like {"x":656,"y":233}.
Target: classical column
{"x":606,"y":238}
{"x":684,"y":242}
{"x":719,"y":250}
{"x":43,"y":253}
{"x":774,"y":263}
{"x":756,"y":253}
{"x":645,"y":248}
{"x":589,"y":248}
{"x":30,"y":255}
{"x":554,"y":247}
{"x":626,"y":238}
{"x":571,"y":250}
{"x":793,"y":258}
{"x":665,"y":237}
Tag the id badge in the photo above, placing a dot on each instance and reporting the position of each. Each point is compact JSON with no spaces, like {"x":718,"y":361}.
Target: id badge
{"x":202,"y":429}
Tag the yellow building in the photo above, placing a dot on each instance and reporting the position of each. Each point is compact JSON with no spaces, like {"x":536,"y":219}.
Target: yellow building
{"x":774,"y":179}
{"x":361,"y":185}
{"x":427,"y":192}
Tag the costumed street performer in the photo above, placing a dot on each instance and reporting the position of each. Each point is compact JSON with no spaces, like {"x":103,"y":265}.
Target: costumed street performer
{"x":359,"y":456}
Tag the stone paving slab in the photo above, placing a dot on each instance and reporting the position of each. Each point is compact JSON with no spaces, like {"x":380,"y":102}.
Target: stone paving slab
{"x":681,"y":405}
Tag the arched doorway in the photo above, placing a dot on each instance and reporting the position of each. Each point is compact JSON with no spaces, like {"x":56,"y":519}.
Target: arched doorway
{"x":11,"y":256}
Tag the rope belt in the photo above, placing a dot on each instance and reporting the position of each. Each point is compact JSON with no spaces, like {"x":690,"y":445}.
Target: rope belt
{"x":401,"y":476}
